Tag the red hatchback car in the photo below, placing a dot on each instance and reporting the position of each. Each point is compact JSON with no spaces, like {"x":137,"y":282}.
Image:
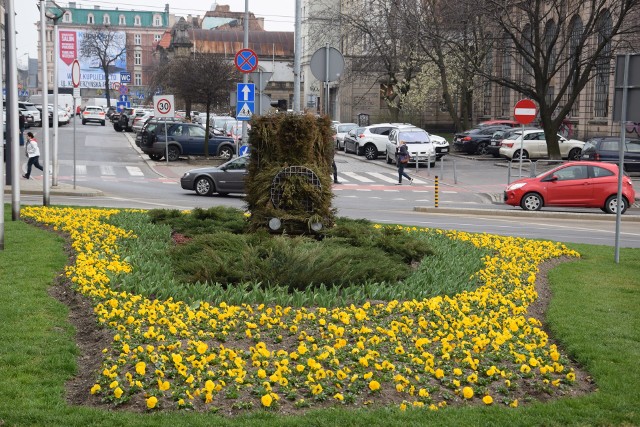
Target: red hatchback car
{"x":573,"y":184}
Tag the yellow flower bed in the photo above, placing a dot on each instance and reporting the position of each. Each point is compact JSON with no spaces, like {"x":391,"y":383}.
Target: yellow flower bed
{"x":477,"y":346}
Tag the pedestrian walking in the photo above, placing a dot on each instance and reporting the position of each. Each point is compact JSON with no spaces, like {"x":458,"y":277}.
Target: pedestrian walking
{"x":335,"y":168}
{"x":402,"y":159}
{"x":33,"y":153}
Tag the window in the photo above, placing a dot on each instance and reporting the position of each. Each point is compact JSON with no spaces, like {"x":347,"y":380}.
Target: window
{"x":610,"y":145}
{"x":157,"y":37}
{"x":486,"y":108}
{"x":157,"y":21}
{"x":603,"y":66}
{"x":137,"y":58}
{"x":90,"y":19}
{"x":137,"y":79}
{"x":574,"y":42}
{"x":506,"y":106}
{"x":122,"y":20}
{"x":49,"y":35}
{"x":633,"y":146}
{"x":550,"y":33}
{"x":196,"y":131}
{"x":136,"y":21}
{"x":66,"y":17}
{"x":106,"y":20}
{"x":572,"y":172}
{"x":137,"y":39}
{"x":599,"y":172}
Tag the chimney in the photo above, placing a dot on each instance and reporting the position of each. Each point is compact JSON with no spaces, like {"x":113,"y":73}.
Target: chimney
{"x":72,"y":5}
{"x":166,"y":7}
{"x":96,"y":7}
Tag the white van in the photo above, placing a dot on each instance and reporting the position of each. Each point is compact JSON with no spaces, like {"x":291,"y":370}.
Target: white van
{"x":65,"y":101}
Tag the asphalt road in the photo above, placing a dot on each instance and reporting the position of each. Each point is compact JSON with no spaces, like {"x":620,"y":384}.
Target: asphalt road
{"x":109,"y":164}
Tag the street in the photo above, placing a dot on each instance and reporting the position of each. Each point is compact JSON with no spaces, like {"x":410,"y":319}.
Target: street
{"x":110,"y":162}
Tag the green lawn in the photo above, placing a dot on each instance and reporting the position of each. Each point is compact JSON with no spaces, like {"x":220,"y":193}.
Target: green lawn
{"x":593,"y":314}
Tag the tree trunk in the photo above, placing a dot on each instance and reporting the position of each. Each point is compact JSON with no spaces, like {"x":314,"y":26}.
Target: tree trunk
{"x":106,"y":85}
{"x":551,"y":127}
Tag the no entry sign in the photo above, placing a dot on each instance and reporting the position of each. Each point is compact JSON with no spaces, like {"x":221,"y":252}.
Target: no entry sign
{"x":525,"y":111}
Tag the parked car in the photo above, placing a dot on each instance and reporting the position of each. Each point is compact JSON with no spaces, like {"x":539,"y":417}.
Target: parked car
{"x":339,"y":131}
{"x":184,"y":139}
{"x":476,"y":140}
{"x":233,"y":129}
{"x":418,"y":142}
{"x":93,"y":114}
{"x":607,"y":149}
{"x":573,"y":184}
{"x":440,"y":144}
{"x":151,"y":124}
{"x":218,"y":122}
{"x":373,"y":140}
{"x":500,"y":135}
{"x":534,"y":146}
{"x":351,"y":139}
{"x":224,"y":179}
{"x":29,"y":120}
{"x":139,"y":121}
{"x":33,"y":111}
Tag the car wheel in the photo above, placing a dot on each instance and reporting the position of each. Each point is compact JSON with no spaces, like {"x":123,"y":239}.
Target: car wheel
{"x":84,"y":122}
{"x":155,"y":157}
{"x":611,"y":205}
{"x":575,"y":154}
{"x":116,"y":127}
{"x":531,"y":202}
{"x":102,"y":123}
{"x":204,"y":186}
{"x":516,"y":154}
{"x":482,"y":148}
{"x":225,"y":152}
{"x":370,"y":152}
{"x":388,"y":158}
{"x":174,"y":153}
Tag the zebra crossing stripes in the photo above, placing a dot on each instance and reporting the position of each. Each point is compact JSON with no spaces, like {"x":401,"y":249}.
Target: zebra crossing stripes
{"x":383,"y":177}
{"x":134,"y":171}
{"x":107,"y":170}
{"x":357,"y":177}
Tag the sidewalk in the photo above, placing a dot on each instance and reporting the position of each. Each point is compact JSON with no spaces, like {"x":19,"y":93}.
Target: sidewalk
{"x":36,"y":186}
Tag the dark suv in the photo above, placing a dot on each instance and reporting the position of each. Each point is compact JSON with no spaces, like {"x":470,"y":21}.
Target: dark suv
{"x":606,"y":149}
{"x":476,"y":140}
{"x":183,"y":139}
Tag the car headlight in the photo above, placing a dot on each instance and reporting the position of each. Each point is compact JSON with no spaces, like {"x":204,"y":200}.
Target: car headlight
{"x":516,"y":186}
{"x":186,"y":175}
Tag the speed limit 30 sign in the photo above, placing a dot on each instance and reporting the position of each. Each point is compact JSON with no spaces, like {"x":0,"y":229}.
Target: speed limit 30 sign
{"x":163,"y":106}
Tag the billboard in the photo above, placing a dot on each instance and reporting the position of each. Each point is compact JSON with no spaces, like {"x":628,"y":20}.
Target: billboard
{"x":91,"y":73}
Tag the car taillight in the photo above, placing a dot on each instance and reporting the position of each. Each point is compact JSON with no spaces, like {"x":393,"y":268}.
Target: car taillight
{"x":466,"y":138}
{"x":506,"y":144}
{"x":86,"y":113}
{"x":361,"y":135}
{"x":596,"y":157}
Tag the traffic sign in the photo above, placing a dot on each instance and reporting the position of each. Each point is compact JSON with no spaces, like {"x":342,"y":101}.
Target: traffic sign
{"x":246,"y":60}
{"x":243,"y":151}
{"x":164,"y":106}
{"x":246,"y":92}
{"x":116,"y":85}
{"x":124,"y":89}
{"x":75,"y":73}
{"x":244,"y":110}
{"x":123,"y":98}
{"x":122,"y":105}
{"x":125,"y":77}
{"x":525,"y":111}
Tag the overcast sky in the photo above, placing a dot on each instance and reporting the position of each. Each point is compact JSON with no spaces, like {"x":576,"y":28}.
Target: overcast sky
{"x":278,"y":15}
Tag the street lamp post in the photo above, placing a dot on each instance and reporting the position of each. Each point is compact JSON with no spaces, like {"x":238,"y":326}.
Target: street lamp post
{"x":54,"y":12}
{"x":45,"y":104}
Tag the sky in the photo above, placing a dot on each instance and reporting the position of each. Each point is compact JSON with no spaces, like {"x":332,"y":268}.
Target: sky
{"x":279,"y":15}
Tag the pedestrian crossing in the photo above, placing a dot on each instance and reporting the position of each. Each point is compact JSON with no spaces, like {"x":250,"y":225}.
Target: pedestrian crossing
{"x":360,"y":180}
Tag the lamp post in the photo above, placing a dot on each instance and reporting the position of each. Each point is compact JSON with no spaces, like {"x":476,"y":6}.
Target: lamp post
{"x":45,"y":104}
{"x":54,"y":12}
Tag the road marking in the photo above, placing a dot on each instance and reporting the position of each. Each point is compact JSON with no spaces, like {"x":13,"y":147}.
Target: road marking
{"x":107,"y":170}
{"x":383,"y":177}
{"x":134,"y":171}
{"x":357,"y":177}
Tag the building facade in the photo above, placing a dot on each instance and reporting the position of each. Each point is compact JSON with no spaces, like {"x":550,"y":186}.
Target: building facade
{"x":137,"y":32}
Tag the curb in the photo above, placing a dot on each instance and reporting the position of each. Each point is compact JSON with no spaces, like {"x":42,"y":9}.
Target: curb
{"x":526,"y":214}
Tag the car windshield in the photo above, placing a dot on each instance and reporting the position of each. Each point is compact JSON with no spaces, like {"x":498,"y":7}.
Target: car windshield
{"x":414,"y":137}
{"x":345,"y":128}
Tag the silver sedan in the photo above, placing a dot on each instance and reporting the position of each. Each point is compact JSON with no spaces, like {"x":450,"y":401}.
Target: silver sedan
{"x":224,"y":179}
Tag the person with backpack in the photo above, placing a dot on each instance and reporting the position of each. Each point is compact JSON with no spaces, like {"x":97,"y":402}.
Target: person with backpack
{"x":402,"y":159}
{"x":33,"y":153}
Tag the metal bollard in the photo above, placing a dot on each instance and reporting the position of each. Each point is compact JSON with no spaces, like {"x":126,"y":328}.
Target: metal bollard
{"x":436,"y":195}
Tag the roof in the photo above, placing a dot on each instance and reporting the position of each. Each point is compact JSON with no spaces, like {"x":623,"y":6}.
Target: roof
{"x":264,"y":43}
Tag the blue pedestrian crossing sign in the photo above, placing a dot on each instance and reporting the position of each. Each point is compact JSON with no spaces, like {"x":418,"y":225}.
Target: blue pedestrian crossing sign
{"x":245,"y":105}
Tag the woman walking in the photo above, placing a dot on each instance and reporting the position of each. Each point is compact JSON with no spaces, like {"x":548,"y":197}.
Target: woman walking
{"x":402,"y":158}
{"x":33,"y":153}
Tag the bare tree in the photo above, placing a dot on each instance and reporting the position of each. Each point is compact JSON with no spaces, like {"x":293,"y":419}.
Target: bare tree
{"x":558,"y":46}
{"x":105,"y":47}
{"x":452,"y":36}
{"x":201,"y":78}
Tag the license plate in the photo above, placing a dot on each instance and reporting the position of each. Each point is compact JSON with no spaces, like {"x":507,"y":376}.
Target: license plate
{"x":494,"y":143}
{"x":444,"y":150}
